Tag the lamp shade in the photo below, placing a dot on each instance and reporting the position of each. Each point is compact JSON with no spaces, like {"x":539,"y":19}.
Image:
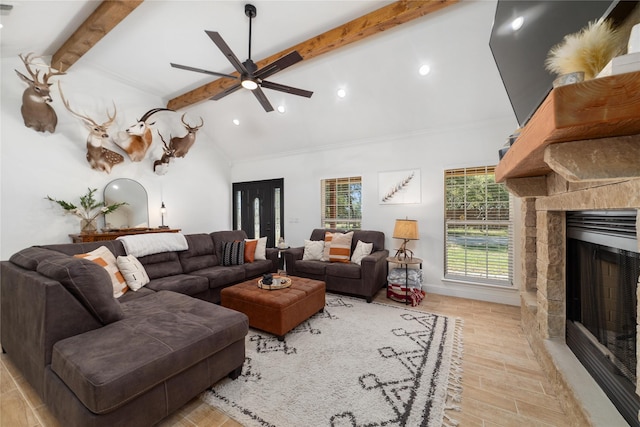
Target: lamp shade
{"x":406,"y":229}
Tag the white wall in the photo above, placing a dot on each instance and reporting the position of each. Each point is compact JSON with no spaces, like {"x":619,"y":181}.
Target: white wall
{"x":195,"y":190}
{"x":431,"y":152}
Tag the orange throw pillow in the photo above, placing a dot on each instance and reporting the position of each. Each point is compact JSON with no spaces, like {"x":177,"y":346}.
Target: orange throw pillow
{"x":340,"y":250}
{"x":250,"y":250}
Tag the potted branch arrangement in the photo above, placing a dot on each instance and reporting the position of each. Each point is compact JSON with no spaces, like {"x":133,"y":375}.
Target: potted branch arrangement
{"x":88,"y":211}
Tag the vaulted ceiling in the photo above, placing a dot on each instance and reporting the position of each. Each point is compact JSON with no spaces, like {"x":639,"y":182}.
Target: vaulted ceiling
{"x":371,"y":49}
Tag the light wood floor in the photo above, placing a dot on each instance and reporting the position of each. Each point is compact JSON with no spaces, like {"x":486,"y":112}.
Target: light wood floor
{"x":503,"y":383}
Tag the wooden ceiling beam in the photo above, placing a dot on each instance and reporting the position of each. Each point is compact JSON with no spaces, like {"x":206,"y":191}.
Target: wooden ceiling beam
{"x":106,"y":16}
{"x":379,"y":20}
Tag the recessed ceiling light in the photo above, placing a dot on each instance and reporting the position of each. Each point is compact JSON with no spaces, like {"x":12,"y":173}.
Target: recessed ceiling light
{"x":236,"y":122}
{"x":281,"y":109}
{"x":517,"y":23}
{"x":342,"y":93}
{"x":424,"y":70}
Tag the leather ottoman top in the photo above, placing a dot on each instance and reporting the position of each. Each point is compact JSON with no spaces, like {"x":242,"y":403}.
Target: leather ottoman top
{"x":250,"y":292}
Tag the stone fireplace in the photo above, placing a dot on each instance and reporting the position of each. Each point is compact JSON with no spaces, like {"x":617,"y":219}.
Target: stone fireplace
{"x":580,"y":151}
{"x":544,"y":287}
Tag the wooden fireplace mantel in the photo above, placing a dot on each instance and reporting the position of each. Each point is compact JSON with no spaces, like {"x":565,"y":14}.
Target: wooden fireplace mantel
{"x":603,"y":108}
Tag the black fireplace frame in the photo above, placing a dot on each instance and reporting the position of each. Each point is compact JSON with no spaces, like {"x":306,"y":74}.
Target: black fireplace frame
{"x":611,"y":232}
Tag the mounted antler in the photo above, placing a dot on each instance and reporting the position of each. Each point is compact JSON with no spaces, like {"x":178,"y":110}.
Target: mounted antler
{"x":161,"y":166}
{"x":138,"y":138}
{"x":36,"y":112}
{"x":99,"y":157}
{"x":183,"y":144}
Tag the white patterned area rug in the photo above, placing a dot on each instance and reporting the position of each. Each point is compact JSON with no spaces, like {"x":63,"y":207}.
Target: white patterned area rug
{"x":355,"y":364}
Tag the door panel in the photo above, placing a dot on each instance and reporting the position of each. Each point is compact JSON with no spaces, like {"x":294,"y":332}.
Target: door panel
{"x":258,"y":209}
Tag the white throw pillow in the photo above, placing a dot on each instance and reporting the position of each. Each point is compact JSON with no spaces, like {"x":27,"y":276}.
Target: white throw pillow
{"x":362,"y":250}
{"x":313,"y":250}
{"x":261,"y":249}
{"x":104,"y":257}
{"x":133,"y":272}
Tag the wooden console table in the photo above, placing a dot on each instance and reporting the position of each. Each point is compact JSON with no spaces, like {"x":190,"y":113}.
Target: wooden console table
{"x":112,"y":235}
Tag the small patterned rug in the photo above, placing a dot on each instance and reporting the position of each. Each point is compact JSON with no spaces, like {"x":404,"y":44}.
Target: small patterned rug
{"x":355,"y":364}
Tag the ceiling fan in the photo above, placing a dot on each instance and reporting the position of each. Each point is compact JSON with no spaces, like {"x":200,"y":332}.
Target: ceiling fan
{"x":250,"y":77}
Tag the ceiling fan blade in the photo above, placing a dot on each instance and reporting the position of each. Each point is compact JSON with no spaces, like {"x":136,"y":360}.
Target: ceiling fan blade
{"x":262,"y":99}
{"x":286,"y":61}
{"x":286,"y":89}
{"x":200,"y":70}
{"x":226,"y":50}
{"x":226,"y":92}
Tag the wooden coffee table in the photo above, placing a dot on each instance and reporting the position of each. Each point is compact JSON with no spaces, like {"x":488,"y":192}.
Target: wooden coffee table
{"x":276,"y":311}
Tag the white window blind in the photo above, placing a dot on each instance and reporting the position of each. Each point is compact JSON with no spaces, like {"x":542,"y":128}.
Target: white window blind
{"x":478,"y":227}
{"x":342,"y":203}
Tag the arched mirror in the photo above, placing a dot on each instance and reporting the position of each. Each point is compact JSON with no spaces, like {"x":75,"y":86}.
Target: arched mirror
{"x":135,"y":214}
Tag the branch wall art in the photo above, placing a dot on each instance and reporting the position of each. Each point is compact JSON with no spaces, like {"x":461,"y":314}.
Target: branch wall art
{"x":399,"y":187}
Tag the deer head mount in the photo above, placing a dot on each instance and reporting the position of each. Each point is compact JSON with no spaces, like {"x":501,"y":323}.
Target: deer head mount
{"x":36,"y":111}
{"x":161,"y":166}
{"x":182,"y":145}
{"x":99,"y":157}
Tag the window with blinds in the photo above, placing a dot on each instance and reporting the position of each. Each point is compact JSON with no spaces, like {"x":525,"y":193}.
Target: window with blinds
{"x":342,"y":203}
{"x":478,"y":227}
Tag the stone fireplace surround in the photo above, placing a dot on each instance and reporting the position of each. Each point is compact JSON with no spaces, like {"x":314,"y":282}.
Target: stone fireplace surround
{"x":543,"y":297}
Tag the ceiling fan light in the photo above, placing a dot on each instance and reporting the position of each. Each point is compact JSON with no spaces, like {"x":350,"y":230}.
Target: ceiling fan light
{"x":248,"y":83}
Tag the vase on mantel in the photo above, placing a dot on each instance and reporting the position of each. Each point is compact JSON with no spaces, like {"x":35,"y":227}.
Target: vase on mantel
{"x":88,"y":226}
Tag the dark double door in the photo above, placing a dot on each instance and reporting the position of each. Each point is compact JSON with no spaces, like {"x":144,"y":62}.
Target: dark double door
{"x":258,"y":209}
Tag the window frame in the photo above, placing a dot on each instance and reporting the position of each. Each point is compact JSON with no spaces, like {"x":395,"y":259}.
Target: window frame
{"x":343,"y":216}
{"x":488,"y":218}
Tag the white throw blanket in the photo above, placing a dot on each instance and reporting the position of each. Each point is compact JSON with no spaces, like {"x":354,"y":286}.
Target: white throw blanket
{"x":153,"y":243}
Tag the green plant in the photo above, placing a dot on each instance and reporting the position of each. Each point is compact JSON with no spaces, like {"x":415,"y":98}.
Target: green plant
{"x":89,"y":208}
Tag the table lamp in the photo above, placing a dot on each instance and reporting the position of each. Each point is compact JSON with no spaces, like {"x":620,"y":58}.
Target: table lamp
{"x":406,"y":229}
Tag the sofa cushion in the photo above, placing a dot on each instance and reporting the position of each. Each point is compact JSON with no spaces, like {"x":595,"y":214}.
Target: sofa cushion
{"x":201,"y":253}
{"x":161,"y":265}
{"x":261,"y":249}
{"x":233,"y":253}
{"x":115,"y":246}
{"x":182,"y":283}
{"x":362,"y":250}
{"x":250,"y":250}
{"x":219,"y":237}
{"x":105,"y":259}
{"x":257,"y":268}
{"x":133,"y":272}
{"x":29,"y":258}
{"x":165,"y":334}
{"x":348,"y":271}
{"x":313,"y":250}
{"x":222,"y":276}
{"x":311,"y":267}
{"x":340,"y":249}
{"x":88,"y":282}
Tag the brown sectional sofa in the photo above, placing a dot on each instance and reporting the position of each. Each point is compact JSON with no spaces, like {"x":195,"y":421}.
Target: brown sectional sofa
{"x":363,"y":280}
{"x":100,"y":361}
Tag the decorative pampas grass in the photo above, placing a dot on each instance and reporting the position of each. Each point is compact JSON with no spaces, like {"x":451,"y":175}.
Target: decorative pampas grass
{"x":588,"y":50}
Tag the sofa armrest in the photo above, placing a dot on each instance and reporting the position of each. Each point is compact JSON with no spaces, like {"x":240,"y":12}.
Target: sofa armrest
{"x":290,"y":257}
{"x":374,"y":271}
{"x":272,"y":254}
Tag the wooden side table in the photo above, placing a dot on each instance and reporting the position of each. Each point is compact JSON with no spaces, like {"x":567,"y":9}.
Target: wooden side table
{"x":112,"y":235}
{"x":406,"y":262}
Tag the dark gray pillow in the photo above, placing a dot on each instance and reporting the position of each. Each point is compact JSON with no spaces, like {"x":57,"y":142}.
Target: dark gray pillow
{"x":233,"y":253}
{"x":29,"y":258}
{"x":88,"y":282}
